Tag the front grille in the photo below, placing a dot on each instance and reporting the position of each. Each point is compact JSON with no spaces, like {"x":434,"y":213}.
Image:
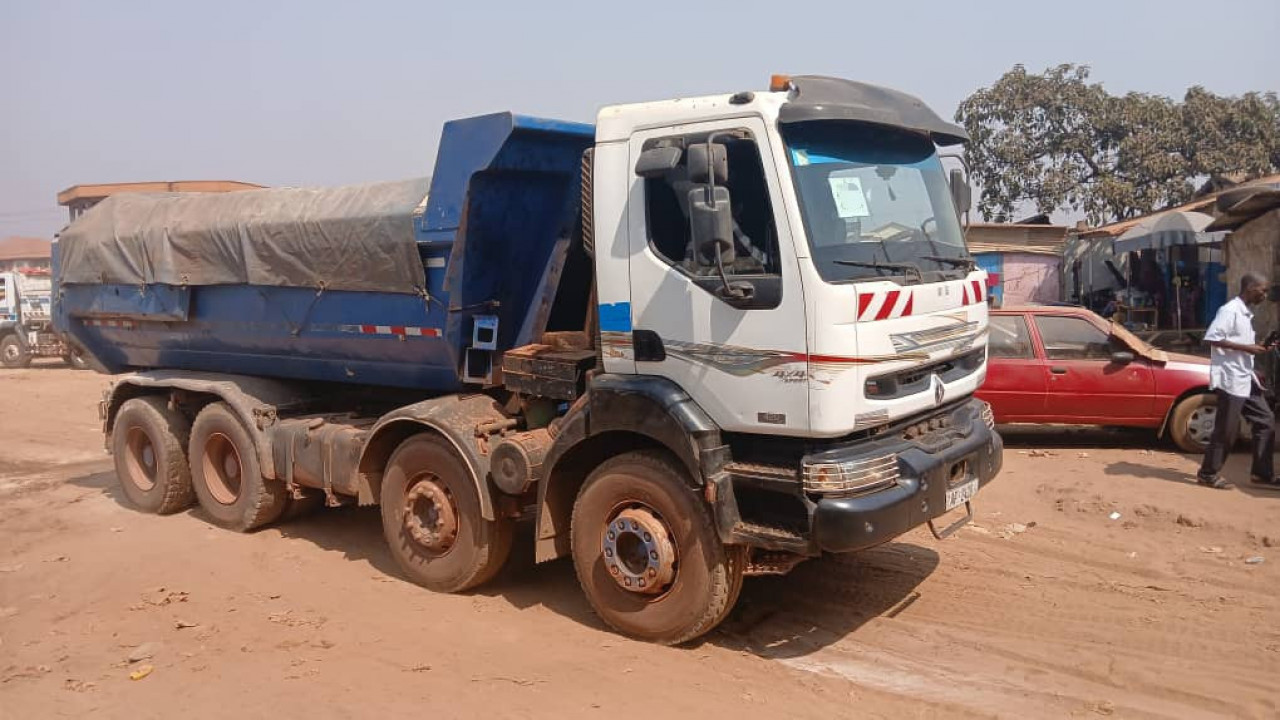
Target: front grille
{"x":918,"y":379}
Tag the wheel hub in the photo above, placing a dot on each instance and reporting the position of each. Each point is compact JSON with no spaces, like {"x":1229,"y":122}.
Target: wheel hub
{"x":430,"y":516}
{"x":140,"y":459}
{"x":11,"y":352}
{"x":639,"y":551}
{"x":1200,"y":424}
{"x":223,"y":469}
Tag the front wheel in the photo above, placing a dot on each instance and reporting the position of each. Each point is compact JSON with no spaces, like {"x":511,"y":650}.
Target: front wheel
{"x":647,"y":554}
{"x":432,"y":521}
{"x":1191,"y":425}
{"x":12,"y":352}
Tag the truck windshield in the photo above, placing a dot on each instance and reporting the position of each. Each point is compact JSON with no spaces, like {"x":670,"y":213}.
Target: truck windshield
{"x":875,"y":202}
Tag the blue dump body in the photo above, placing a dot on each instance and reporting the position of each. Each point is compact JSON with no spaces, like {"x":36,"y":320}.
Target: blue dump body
{"x":504,"y":192}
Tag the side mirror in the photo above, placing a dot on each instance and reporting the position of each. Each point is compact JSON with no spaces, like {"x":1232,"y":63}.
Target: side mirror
{"x":708,"y":163}
{"x":658,"y":161}
{"x":1122,"y":358}
{"x":711,"y":226}
{"x":961,"y":191}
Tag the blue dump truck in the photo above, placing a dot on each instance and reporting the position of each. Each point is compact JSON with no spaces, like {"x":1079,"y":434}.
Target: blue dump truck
{"x":706,"y":338}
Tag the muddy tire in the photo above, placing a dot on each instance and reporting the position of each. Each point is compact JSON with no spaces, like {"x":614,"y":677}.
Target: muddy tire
{"x":13,"y":354}
{"x":1191,"y":424}
{"x":432,"y":522}
{"x":225,"y":473}
{"x":636,"y":519}
{"x":149,"y":445}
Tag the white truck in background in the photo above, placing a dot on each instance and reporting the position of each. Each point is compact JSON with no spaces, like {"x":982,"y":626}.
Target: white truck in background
{"x":26,"y":327}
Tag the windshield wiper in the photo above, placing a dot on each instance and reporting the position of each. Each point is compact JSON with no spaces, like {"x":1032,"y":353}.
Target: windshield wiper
{"x":964,"y":262}
{"x":909,"y":268}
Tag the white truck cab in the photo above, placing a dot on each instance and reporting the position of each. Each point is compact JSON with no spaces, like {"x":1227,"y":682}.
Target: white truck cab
{"x":26,"y":329}
{"x":859,"y":304}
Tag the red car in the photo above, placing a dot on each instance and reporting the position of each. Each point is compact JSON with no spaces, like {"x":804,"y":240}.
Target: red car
{"x":1067,"y":365}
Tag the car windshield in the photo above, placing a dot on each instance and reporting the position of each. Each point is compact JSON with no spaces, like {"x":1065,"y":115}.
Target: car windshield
{"x":875,"y":202}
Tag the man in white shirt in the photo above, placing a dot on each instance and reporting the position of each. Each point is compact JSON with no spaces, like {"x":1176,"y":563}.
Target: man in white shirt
{"x":1239,"y":393}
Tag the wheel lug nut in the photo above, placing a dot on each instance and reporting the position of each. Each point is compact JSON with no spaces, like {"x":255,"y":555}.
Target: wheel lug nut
{"x":653,"y":554}
{"x":608,"y":552}
{"x":648,"y":537}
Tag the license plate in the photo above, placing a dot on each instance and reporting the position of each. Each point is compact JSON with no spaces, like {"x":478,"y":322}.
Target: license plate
{"x":962,"y":494}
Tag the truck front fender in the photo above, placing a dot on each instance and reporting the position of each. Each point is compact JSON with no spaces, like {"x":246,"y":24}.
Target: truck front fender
{"x":464,"y":420}
{"x":617,"y":414}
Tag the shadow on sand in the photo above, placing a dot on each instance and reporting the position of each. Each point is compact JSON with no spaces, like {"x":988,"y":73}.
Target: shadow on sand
{"x":819,"y":603}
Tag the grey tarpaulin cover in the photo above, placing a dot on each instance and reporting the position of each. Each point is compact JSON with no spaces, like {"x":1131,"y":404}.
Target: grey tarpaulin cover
{"x":358,"y":237}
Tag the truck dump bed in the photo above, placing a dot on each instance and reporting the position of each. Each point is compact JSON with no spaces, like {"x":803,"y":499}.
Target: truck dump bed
{"x":376,"y":284}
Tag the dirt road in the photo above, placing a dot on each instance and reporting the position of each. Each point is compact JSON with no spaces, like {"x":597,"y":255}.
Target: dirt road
{"x":1096,"y":581}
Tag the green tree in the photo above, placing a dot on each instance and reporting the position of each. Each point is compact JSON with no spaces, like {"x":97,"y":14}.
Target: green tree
{"x":1055,"y":141}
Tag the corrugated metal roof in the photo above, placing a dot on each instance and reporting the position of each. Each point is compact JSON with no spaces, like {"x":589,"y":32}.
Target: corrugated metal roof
{"x":1200,"y":204}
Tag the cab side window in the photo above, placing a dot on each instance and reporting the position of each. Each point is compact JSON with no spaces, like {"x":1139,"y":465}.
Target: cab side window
{"x":754,"y":234}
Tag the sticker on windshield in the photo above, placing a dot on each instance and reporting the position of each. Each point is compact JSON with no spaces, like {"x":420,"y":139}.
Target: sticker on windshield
{"x":849,"y":198}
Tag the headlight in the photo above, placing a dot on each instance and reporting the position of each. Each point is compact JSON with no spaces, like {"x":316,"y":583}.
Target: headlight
{"x":860,"y":475}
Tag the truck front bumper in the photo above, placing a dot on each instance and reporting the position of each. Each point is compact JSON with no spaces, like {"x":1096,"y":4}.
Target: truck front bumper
{"x":969,"y":450}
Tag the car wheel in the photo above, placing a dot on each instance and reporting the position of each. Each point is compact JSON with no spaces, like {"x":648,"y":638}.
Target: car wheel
{"x":1192,"y":423}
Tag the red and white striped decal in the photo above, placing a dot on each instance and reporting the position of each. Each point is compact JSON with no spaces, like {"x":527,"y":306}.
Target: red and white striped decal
{"x":974,"y":292}
{"x":885,"y":305}
{"x":125,"y":324}
{"x":400,"y":330}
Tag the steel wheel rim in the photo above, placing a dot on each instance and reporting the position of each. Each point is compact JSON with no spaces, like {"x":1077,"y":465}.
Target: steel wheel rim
{"x":223,"y":469}
{"x":430,"y":516}
{"x":1200,"y":424}
{"x":640,"y":550}
{"x":140,"y":459}
{"x":12,"y":352}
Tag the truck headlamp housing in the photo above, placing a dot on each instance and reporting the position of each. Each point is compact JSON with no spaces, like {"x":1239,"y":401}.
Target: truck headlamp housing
{"x":851,"y":476}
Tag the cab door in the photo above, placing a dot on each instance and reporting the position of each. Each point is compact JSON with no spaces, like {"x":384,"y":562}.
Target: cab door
{"x":745,"y":363}
{"x":8,"y":298}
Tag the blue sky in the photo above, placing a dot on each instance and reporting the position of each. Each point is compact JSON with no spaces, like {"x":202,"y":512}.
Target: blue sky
{"x":307,"y":93}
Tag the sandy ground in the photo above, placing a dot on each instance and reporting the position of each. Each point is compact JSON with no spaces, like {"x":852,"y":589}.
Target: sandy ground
{"x":1096,"y":581}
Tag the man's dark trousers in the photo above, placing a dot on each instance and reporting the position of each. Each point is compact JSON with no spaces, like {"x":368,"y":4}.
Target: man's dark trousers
{"x":1226,"y":427}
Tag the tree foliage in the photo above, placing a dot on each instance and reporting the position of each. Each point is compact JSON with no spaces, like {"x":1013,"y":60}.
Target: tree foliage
{"x":1055,"y":141}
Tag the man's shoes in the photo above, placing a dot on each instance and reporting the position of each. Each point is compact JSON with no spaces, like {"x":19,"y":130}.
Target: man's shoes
{"x":1217,"y":482}
{"x":1272,"y":484}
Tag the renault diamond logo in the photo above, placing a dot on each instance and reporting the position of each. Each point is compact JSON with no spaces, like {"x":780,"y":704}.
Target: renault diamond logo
{"x":938,"y":390}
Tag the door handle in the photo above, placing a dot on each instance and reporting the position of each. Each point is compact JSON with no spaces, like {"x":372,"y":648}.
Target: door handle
{"x":1058,"y":370}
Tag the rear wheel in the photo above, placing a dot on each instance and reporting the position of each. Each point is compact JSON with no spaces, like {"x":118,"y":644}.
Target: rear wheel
{"x":12,"y":353}
{"x":1191,"y":425}
{"x":647,"y":554}
{"x":148,"y":442}
{"x":225,"y":473}
{"x":431,"y":519}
